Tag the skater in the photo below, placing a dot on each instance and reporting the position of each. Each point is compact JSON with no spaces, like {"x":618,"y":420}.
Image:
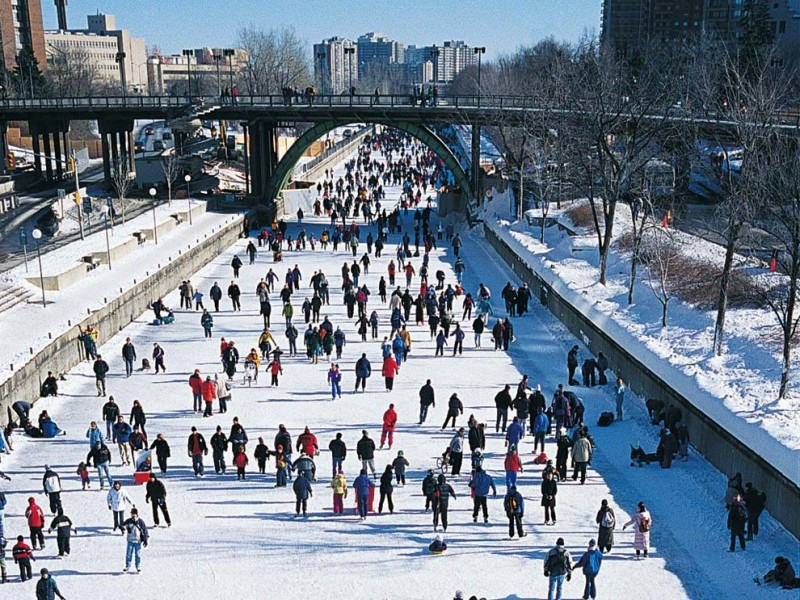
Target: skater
{"x":335,"y":381}
{"x":514,"y":505}
{"x":122,"y":431}
{"x":136,"y":536}
{"x":82,"y":472}
{"x":51,"y":484}
{"x":502,"y":402}
{"x":157,"y":496}
{"x":572,"y":365}
{"x":235,"y":293}
{"x":261,"y":454}
{"x":619,"y":395}
{"x":480,"y":484}
{"x":557,"y":567}
{"x":128,"y":356}
{"x":602,"y":366}
{"x":35,"y":517}
{"x":441,"y":499}
{"x":138,"y":417}
{"x":161,"y":446}
{"x":399,"y":465}
{"x":46,"y":587}
{"x":197,"y":449}
{"x":755,"y":501}
{"x":100,"y":368}
{"x":737,"y":520}
{"x":590,"y":563}
{"x":23,"y":555}
{"x":513,"y":465}
{"x":117,"y":499}
{"x":427,"y":399}
{"x":240,"y":461}
{"x":454,"y":408}
{"x":207,"y":322}
{"x":236,"y":264}
{"x":386,"y":489}
{"x":339,"y":486}
{"x":365,"y":450}
{"x":549,"y":490}
{"x":607,"y":521}
{"x":540,"y":427}
{"x":581,"y":456}
{"x":362,"y":486}
{"x":457,"y":451}
{"x":429,"y":484}
{"x":389,"y":424}
{"x":389,"y":370}
{"x":363,"y":371}
{"x":302,"y":492}
{"x":101,"y":456}
{"x":642,"y":521}
{"x":62,"y":525}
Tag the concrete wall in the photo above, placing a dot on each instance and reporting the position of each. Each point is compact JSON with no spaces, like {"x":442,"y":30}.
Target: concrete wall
{"x":65,"y":351}
{"x":55,"y":283}
{"x":722,"y":449}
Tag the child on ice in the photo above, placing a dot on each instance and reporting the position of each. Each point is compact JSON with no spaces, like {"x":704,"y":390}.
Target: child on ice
{"x":83,"y":472}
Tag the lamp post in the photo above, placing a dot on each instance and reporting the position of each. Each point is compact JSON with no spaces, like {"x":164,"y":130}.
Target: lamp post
{"x":350,"y":52}
{"x":37,"y":235}
{"x":479,"y":51}
{"x":188,"y":179}
{"x":217,"y":58}
{"x":229,"y":52}
{"x":104,"y":210}
{"x":188,"y":54}
{"x":120,"y":58}
{"x":153,"y":193}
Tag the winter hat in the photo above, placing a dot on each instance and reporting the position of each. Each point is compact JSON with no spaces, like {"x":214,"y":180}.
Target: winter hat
{"x":399,"y":453}
{"x":439,"y":538}
{"x":44,"y":572}
{"x":560,"y":542}
{"x":592,"y":543}
{"x":47,"y":467}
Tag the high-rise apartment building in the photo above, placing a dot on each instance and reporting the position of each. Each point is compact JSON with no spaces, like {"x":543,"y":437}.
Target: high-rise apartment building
{"x":21,"y":28}
{"x":377,"y":49}
{"x":630,"y":25}
{"x":336,"y":65}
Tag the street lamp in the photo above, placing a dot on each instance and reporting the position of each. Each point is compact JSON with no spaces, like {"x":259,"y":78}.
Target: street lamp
{"x":37,"y":235}
{"x":120,"y":58}
{"x":188,"y":54}
{"x":217,"y":58}
{"x":479,"y":51}
{"x":350,"y":52}
{"x":229,"y":52}
{"x":104,"y":210}
{"x":188,"y":179}
{"x":153,"y":193}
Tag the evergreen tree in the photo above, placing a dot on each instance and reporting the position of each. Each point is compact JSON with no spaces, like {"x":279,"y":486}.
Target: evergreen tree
{"x":758,"y":34}
{"x":28,"y":77}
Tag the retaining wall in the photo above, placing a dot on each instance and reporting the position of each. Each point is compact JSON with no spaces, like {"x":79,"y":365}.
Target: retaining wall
{"x":66,"y":351}
{"x":722,"y":449}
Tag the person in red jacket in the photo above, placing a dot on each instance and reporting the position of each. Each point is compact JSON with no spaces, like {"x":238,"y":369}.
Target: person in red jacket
{"x":35,"y":517}
{"x":209,"y":390}
{"x":274,"y":368}
{"x":389,"y":423}
{"x":307,"y":442}
{"x":240,"y":462}
{"x":513,"y":466}
{"x":409,"y":274}
{"x":23,"y":556}
{"x":389,"y":370}
{"x":196,"y":383}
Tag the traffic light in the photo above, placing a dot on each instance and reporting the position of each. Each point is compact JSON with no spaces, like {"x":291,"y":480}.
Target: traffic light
{"x":11,"y":161}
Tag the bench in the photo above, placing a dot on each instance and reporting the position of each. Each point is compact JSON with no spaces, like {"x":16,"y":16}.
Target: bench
{"x":91,"y":261}
{"x":141,"y":237}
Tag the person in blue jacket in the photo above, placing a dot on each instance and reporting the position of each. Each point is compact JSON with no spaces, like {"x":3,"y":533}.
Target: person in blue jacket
{"x":540,"y":427}
{"x":361,"y":485}
{"x":514,"y":505}
{"x":398,"y":349}
{"x":514,"y":433}
{"x":590,"y":561}
{"x":480,"y":484}
{"x":302,"y":492}
{"x":363,"y":371}
{"x":93,"y":434}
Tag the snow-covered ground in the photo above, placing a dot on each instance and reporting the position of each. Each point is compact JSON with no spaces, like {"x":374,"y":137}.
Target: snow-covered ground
{"x":233,"y":539}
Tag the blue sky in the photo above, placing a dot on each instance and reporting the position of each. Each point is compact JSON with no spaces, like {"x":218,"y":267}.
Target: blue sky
{"x":500,"y":25}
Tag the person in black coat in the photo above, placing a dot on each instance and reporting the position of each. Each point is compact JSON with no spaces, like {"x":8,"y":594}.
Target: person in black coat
{"x":755,"y":501}
{"x":589,"y":372}
{"x":572,"y":365}
{"x":549,"y":491}
{"x":216,"y":295}
{"x":667,"y":448}
{"x":338,"y":452}
{"x":508,"y":333}
{"x":476,"y":437}
{"x":138,"y":418}
{"x":236,"y":264}
{"x":607,"y":521}
{"x":427,"y":398}
{"x":737,"y":520}
{"x":157,"y":493}
{"x":161,"y":447}
{"x":441,"y":500}
{"x":502,"y":402}
{"x":234,"y":293}
{"x":454,"y":408}
{"x":386,"y":489}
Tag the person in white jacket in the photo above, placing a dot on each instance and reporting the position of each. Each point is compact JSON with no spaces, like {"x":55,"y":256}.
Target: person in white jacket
{"x":116,"y":500}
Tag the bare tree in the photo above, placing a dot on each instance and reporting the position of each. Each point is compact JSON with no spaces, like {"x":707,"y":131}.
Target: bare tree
{"x":170,"y":165}
{"x":274,"y":59}
{"x":641,"y":216}
{"x":661,"y":254}
{"x":781,"y":168}
{"x":621,"y":115}
{"x":73,"y":73}
{"x":121,"y":180}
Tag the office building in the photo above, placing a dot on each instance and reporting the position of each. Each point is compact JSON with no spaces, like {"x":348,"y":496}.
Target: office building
{"x":377,"y":49}
{"x":21,"y":28}
{"x":169,"y":74}
{"x":118,"y":57}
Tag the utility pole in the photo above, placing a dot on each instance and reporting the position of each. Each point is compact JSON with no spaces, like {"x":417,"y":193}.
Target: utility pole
{"x":77,"y":191}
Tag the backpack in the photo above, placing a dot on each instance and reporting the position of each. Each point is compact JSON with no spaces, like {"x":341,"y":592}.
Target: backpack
{"x":742,"y":511}
{"x":511,"y":505}
{"x":606,"y":419}
{"x":609,"y":521}
{"x":644,"y":524}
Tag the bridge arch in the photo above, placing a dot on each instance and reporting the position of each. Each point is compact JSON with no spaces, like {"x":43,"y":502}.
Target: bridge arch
{"x":284,"y":168}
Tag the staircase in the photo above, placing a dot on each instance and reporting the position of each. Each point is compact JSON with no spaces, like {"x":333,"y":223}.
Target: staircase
{"x":11,"y":295}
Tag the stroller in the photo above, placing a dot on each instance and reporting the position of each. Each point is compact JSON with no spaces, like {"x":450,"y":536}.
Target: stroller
{"x":250,"y":373}
{"x":444,"y":461}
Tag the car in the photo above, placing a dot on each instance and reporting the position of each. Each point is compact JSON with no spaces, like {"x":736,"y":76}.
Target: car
{"x":138,"y":147}
{"x":347,"y":133}
{"x":149,"y":131}
{"x":166,"y":135}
